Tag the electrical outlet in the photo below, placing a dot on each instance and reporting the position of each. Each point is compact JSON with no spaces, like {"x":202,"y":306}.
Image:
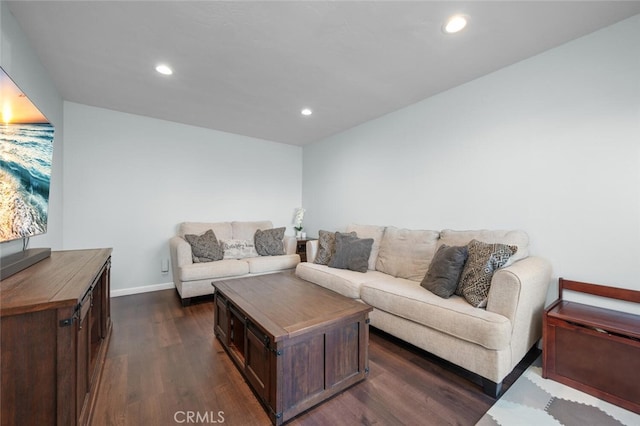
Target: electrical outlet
{"x":164,"y":267}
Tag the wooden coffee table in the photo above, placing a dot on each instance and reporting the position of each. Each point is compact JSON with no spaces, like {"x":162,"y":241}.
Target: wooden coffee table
{"x":296,"y":343}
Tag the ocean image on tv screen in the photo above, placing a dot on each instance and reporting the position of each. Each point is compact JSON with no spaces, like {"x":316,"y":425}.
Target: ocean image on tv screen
{"x":26,"y":152}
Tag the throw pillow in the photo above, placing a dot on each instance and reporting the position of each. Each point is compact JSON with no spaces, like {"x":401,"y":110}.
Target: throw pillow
{"x":326,"y":246}
{"x":351,"y":253}
{"x":369,"y":231}
{"x":238,"y":249}
{"x":484,"y":259}
{"x":205,"y":247}
{"x":445,"y":270}
{"x":269,"y":242}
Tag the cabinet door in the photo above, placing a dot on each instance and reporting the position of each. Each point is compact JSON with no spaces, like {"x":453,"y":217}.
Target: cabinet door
{"x":237,"y":336}
{"x":95,"y":332}
{"x":221,"y":326}
{"x":83,"y":360}
{"x":257,"y":361}
{"x":105,"y":300}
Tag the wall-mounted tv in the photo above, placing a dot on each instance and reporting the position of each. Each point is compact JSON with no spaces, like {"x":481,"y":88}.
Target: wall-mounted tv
{"x":26,"y":153}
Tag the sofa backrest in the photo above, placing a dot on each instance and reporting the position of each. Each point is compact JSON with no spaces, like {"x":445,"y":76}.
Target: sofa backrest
{"x":406,"y":253}
{"x":225,"y":230}
{"x":460,"y":238}
{"x":247,"y":230}
{"x":222,"y":230}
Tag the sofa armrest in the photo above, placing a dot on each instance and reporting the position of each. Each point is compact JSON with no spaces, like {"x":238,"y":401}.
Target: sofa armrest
{"x":312,"y":250}
{"x":180,"y":251}
{"x":519,"y":292}
{"x":290,"y":244}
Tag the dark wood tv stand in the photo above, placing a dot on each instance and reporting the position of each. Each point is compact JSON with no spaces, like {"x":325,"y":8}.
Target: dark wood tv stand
{"x":55,"y":327}
{"x":593,"y":349}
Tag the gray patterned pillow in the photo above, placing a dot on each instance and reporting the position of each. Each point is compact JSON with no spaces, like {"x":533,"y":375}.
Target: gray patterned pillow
{"x":269,"y":242}
{"x":351,"y":253}
{"x":484,"y":259}
{"x":445,"y":270}
{"x":205,"y":247}
{"x":327,"y":246}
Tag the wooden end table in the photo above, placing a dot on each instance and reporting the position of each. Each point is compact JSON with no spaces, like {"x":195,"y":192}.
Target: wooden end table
{"x":301,"y":248}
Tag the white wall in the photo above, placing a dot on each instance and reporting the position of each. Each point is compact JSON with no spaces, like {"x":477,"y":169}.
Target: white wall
{"x":550,"y":145}
{"x":130,"y":180}
{"x":21,"y":63}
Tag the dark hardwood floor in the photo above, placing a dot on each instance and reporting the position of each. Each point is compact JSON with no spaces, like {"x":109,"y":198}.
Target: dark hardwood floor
{"x":164,"y":366}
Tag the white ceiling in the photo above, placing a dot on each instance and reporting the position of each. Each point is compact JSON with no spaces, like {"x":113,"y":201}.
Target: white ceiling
{"x":249,"y":67}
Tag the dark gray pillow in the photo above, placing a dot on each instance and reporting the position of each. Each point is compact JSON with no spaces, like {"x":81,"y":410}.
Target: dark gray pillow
{"x":445,"y":269}
{"x":269,"y":242}
{"x":326,"y":246}
{"x":351,"y":253}
{"x":484,"y":259}
{"x":205,"y":247}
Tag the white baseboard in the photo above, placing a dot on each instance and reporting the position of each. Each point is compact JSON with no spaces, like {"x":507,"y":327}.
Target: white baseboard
{"x":143,"y":289}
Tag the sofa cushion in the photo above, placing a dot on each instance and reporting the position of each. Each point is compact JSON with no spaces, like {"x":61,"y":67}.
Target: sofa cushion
{"x":264,"y":264}
{"x":445,"y":270}
{"x":247,"y":230}
{"x":326,"y":246}
{"x":351,"y":253}
{"x":211,"y":270}
{"x":270,"y":241}
{"x":484,"y":259}
{"x":341,"y":281}
{"x":205,"y":247}
{"x":453,"y":316}
{"x":406,"y":253}
{"x":238,"y":249}
{"x":222,"y":230}
{"x":369,"y":231}
{"x":513,"y":238}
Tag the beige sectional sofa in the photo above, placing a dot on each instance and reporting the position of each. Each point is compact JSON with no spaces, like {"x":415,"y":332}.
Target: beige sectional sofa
{"x":487,"y":341}
{"x":195,"y":279}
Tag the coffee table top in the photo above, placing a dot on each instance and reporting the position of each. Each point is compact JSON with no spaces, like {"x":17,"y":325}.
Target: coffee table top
{"x":285,"y":305}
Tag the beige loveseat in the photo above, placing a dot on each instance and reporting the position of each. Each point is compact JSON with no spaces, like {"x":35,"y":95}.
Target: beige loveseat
{"x":487,"y":341}
{"x":195,"y":279}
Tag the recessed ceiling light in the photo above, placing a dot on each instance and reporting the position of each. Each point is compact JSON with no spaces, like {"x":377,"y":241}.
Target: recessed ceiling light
{"x":164,"y":69}
{"x":306,"y":111}
{"x":454,"y":24}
